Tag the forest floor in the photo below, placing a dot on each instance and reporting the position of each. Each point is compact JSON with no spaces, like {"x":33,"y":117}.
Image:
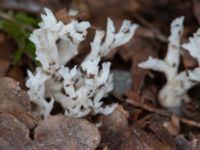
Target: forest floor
{"x":139,"y":122}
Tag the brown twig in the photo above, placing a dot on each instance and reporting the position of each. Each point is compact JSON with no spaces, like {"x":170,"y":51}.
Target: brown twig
{"x":163,"y":113}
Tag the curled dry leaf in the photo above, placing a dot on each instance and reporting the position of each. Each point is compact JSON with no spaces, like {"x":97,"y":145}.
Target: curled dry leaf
{"x":57,"y":132}
{"x":14,"y":108}
{"x":66,"y":133}
{"x":115,"y":130}
{"x":15,"y":101}
{"x":14,"y":134}
{"x":11,"y":91}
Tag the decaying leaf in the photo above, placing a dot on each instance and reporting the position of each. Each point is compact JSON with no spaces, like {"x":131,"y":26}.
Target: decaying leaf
{"x":14,"y":134}
{"x":173,"y":125}
{"x":15,"y":101}
{"x":115,"y":129}
{"x":138,"y":73}
{"x":4,"y":66}
{"x":11,"y":91}
{"x":66,"y":133}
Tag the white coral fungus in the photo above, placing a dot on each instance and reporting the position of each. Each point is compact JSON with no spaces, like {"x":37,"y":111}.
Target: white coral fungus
{"x":174,"y":92}
{"x":79,"y":90}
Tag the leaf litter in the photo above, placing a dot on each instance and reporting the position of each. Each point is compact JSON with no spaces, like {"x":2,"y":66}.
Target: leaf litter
{"x":139,"y":122}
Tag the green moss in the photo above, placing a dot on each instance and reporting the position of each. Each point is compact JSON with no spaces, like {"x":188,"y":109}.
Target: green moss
{"x":19,"y":26}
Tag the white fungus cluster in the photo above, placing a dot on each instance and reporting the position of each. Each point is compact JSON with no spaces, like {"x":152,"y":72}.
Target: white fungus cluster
{"x":79,"y":90}
{"x":174,"y":92}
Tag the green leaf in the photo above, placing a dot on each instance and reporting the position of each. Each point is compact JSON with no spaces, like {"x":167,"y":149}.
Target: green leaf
{"x":26,"y":19}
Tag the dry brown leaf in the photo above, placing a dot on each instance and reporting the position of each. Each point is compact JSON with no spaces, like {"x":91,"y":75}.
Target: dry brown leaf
{"x":116,"y":133}
{"x":14,"y":134}
{"x":62,"y":15}
{"x":66,"y":133}
{"x":139,"y":74}
{"x":133,"y":95}
{"x":133,"y":47}
{"x":11,"y":91}
{"x":151,"y":33}
{"x":188,"y":61}
{"x":172,"y":126}
{"x":144,"y":140}
{"x":115,"y":129}
{"x":4,"y":66}
{"x":15,"y":101}
{"x":162,"y":135}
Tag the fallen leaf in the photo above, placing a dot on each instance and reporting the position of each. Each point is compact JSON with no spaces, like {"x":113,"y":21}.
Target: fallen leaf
{"x":66,"y":133}
{"x":172,"y":126}
{"x":15,"y":101}
{"x":151,"y":33}
{"x":188,"y":61}
{"x":4,"y":67}
{"x":62,"y":15}
{"x":11,"y":91}
{"x":115,"y":129}
{"x":138,"y":74}
{"x":162,"y":135}
{"x":149,"y":93}
{"x":14,"y":134}
{"x":150,"y":141}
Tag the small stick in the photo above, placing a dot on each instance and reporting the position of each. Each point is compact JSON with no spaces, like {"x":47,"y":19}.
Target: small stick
{"x":163,"y":113}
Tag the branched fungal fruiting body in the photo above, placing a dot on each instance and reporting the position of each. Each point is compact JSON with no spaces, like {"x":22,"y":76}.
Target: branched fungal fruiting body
{"x":79,"y":90}
{"x":174,"y":92}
